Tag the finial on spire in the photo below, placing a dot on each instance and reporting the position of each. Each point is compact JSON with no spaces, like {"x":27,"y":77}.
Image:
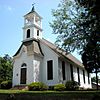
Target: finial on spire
{"x":33,"y":9}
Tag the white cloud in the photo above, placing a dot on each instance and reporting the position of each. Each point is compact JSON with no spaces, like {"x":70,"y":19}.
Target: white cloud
{"x":6,"y":8}
{"x":9,"y":8}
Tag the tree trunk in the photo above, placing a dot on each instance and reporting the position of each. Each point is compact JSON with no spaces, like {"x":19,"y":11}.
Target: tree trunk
{"x":97,"y":79}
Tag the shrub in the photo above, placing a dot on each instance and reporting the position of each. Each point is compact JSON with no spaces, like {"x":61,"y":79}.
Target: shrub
{"x":59,"y":87}
{"x":6,"y":84}
{"x":37,"y":86}
{"x":72,"y":85}
{"x":51,"y":88}
{"x":1,"y":81}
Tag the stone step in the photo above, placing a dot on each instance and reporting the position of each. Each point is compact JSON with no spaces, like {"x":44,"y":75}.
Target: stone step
{"x":20,"y":87}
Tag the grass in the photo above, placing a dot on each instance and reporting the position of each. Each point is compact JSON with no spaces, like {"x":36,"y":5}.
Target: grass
{"x":30,"y":92}
{"x":48,"y":92}
{"x":87,"y":95}
{"x":10,"y":91}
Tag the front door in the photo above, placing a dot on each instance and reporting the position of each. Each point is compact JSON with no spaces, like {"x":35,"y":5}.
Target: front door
{"x":23,"y":76}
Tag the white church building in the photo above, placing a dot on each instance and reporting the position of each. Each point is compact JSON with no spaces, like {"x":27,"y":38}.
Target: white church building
{"x":38,"y":60}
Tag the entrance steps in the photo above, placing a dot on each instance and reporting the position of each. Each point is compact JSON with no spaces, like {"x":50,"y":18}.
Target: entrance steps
{"x":20,"y":87}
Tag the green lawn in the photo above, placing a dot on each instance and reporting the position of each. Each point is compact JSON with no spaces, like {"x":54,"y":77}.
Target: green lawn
{"x":23,"y":91}
{"x":32,"y":92}
{"x":10,"y":91}
{"x":47,"y":95}
{"x":47,"y":92}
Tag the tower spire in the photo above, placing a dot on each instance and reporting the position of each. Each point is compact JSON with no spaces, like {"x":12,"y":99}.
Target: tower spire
{"x":33,"y":8}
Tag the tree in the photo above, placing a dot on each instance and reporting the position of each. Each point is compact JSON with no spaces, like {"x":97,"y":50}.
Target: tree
{"x":67,"y":24}
{"x":73,"y":24}
{"x":77,"y":24}
{"x":92,"y":5}
{"x":91,"y":56}
{"x":5,"y":68}
{"x":93,"y":79}
{"x":91,"y":52}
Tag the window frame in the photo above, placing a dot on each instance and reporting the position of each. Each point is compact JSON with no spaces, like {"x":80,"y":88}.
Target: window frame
{"x":38,"y":32}
{"x":50,"y":70}
{"x":88,"y":77}
{"x":78,"y":74}
{"x":71,"y":71}
{"x":28,"y":33}
{"x":84,"y":76}
{"x":63,"y":71}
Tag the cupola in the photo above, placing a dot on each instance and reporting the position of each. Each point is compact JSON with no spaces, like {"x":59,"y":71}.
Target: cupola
{"x":32,"y":25}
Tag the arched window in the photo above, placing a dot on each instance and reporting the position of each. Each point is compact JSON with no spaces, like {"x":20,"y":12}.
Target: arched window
{"x":23,"y":65}
{"x":28,"y":33}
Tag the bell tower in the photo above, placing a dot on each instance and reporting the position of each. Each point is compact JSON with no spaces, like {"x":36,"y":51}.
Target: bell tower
{"x":32,"y":25}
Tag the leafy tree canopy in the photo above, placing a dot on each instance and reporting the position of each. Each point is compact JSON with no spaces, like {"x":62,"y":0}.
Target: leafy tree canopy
{"x":92,"y":5}
{"x":5,"y":68}
{"x":74,"y":22}
{"x":91,"y":54}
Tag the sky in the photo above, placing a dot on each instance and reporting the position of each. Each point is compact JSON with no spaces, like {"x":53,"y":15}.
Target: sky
{"x":12,"y":21}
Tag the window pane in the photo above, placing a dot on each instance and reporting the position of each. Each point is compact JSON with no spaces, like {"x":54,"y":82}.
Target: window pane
{"x":71,"y":70}
{"x":28,"y":33}
{"x":78,"y":75}
{"x":49,"y":70}
{"x":88,"y":78}
{"x":84,"y":76}
{"x":37,"y":32}
{"x":63,"y":70}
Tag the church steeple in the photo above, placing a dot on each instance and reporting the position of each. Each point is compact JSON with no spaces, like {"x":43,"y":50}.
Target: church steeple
{"x":33,"y":9}
{"x":32,"y":25}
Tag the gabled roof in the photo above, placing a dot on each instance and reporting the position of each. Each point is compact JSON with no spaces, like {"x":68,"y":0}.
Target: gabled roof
{"x":62,"y":53}
{"x":35,"y":47}
{"x":34,"y":12}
